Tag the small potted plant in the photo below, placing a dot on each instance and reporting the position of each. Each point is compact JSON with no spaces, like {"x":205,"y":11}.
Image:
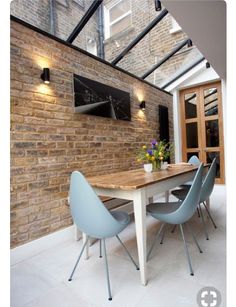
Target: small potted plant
{"x":155,"y":155}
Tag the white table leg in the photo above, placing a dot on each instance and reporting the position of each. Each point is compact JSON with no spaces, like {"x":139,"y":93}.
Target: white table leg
{"x":140,"y":226}
{"x":87,"y":246}
{"x":167,"y":194}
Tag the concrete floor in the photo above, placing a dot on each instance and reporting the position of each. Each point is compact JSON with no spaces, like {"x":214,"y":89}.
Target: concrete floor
{"x":41,"y":281}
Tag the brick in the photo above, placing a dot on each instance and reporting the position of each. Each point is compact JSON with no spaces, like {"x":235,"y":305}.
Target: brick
{"x":38,"y":185}
{"x":24,"y":145}
{"x":49,"y":140}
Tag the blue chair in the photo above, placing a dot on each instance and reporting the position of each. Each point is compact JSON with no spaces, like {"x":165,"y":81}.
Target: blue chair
{"x":91,"y":217}
{"x":207,"y":188}
{"x":194,"y":161}
{"x":178,"y":213}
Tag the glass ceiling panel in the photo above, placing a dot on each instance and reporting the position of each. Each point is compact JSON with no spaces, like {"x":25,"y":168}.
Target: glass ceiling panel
{"x":176,"y":65}
{"x":57,"y":17}
{"x":114,"y":25}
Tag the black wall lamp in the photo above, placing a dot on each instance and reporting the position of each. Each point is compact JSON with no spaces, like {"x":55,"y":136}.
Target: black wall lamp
{"x":190,"y":43}
{"x":157,"y":5}
{"x":45,"y":76}
{"x":142,"y":105}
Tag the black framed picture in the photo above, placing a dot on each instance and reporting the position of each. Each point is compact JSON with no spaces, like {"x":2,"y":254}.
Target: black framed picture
{"x":95,"y":98}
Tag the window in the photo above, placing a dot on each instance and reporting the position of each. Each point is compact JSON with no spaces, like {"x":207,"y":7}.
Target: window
{"x":91,"y":45}
{"x":175,"y":26}
{"x":117,"y":15}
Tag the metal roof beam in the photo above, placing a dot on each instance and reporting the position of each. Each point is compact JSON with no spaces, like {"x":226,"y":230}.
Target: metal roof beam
{"x":167,"y":57}
{"x":84,"y":20}
{"x":151,"y":25}
{"x":183,"y":72}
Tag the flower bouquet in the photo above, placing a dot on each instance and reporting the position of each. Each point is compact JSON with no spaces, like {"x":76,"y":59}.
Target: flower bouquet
{"x":157,"y":153}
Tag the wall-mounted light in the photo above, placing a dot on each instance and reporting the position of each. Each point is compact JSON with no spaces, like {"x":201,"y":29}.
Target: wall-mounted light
{"x":142,"y":105}
{"x":157,"y":5}
{"x":45,"y":76}
{"x":190,"y":43}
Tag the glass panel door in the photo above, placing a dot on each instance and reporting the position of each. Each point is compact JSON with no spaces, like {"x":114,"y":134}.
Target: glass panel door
{"x":202,"y":128}
{"x":190,"y":119}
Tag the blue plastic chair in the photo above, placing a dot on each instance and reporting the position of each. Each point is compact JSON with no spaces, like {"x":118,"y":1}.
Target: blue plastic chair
{"x":91,"y":217}
{"x":178,"y":213}
{"x":194,"y":161}
{"x":207,"y":188}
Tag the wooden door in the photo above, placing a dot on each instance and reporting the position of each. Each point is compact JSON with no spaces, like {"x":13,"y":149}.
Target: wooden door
{"x":202,"y":125}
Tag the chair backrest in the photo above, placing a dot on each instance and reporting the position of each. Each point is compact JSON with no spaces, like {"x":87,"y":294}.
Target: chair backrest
{"x":189,"y":205}
{"x":88,"y":212}
{"x":194,"y":160}
{"x":209,"y":181}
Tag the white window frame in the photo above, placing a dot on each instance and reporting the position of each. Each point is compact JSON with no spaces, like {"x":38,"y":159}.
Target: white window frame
{"x":107,"y":23}
{"x":175,"y":26}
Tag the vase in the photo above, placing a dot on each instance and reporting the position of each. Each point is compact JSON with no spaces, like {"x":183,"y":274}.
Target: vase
{"x":164,"y":165}
{"x":148,"y":167}
{"x":156,"y":165}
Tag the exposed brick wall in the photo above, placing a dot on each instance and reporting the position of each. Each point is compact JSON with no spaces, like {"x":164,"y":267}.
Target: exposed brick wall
{"x":66,"y":14}
{"x":49,"y":140}
{"x":35,"y":12}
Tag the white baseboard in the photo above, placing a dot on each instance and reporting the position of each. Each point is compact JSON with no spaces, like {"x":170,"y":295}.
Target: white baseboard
{"x":37,"y":246}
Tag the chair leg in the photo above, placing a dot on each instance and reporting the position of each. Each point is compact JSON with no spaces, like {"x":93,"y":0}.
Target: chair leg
{"x":162,"y":237}
{"x":203,"y":222}
{"x":107,"y":272}
{"x":186,"y":251}
{"x":156,"y":237}
{"x":100,"y":248}
{"x":125,"y":248}
{"x":81,"y":253}
{"x":194,"y":238}
{"x":208,"y":212}
{"x":198,"y":213}
{"x":173,"y":229}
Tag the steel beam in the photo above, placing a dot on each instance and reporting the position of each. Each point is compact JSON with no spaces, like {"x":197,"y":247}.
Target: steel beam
{"x":167,"y":57}
{"x":84,"y":20}
{"x":151,"y":25}
{"x":183,"y":72}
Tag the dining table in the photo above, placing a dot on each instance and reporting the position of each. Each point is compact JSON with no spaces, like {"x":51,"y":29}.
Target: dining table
{"x":140,"y":187}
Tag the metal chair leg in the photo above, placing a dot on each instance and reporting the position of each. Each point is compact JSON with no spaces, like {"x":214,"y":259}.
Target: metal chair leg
{"x":186,"y":251}
{"x":81,"y":253}
{"x":203,"y":222}
{"x":198,"y":213}
{"x":131,"y":258}
{"x":100,"y":248}
{"x":107,"y":272}
{"x":162,"y":237}
{"x":208,"y":212}
{"x":194,"y":238}
{"x":173,"y":229}
{"x":156,"y":237}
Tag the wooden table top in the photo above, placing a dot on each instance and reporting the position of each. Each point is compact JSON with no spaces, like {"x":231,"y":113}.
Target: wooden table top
{"x":136,"y":179}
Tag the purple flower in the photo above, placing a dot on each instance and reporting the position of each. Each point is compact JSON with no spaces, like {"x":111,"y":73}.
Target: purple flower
{"x":149,"y":152}
{"x":154,"y":143}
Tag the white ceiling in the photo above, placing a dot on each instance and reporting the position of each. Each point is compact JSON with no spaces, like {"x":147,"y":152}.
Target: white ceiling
{"x":204,"y":21}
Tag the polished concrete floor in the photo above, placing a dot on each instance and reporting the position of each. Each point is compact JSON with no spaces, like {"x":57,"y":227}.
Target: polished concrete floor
{"x":41,"y":281}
